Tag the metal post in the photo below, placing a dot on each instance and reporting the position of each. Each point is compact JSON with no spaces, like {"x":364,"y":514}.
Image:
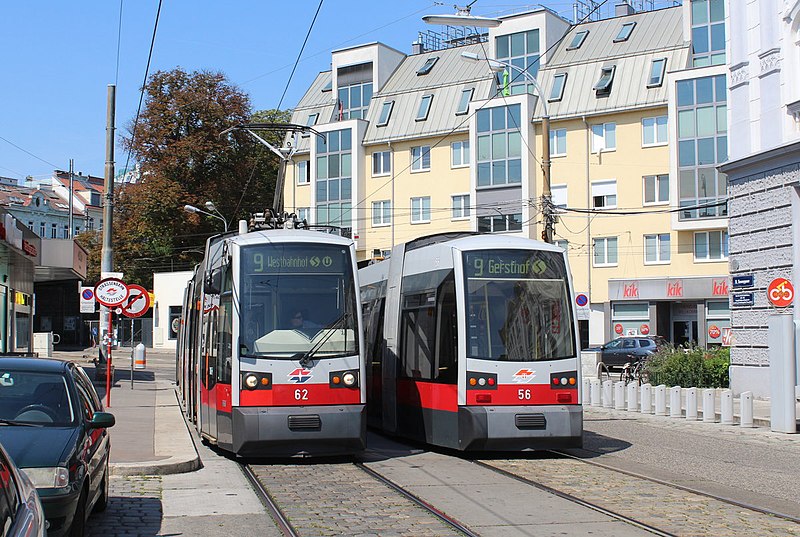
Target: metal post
{"x":108,"y":205}
{"x":108,"y":363}
{"x":131,"y":353}
{"x":71,"y":190}
{"x":547,"y":195}
{"x":780,"y":334}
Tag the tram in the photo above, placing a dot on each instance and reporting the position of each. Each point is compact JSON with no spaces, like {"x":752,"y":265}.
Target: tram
{"x":270,"y":344}
{"x":472,"y":344}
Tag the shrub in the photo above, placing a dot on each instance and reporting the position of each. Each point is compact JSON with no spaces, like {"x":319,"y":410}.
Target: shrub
{"x":692,"y":366}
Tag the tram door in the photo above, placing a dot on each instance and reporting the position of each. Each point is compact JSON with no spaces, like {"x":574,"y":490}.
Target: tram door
{"x":208,"y":376}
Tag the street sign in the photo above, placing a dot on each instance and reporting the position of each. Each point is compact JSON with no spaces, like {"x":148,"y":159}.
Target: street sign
{"x":780,"y":292}
{"x":137,"y":303}
{"x":582,"y":306}
{"x":743,"y":299}
{"x":743,"y":281}
{"x":111,"y":292}
{"x":87,"y":300}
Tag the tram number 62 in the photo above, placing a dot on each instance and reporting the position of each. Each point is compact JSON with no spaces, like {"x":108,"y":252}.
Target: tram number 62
{"x":301,"y":395}
{"x":524,"y":394}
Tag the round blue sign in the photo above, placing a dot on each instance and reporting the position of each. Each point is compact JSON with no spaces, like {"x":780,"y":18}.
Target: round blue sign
{"x":87,"y":294}
{"x":581,"y":300}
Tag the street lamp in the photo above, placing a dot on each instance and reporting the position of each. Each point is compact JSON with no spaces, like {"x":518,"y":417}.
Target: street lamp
{"x":547,"y":195}
{"x":192,"y":209}
{"x":462,"y":17}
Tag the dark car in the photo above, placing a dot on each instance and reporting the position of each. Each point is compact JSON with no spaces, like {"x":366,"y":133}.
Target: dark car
{"x":53,"y":426}
{"x":626,"y":349}
{"x":21,"y":513}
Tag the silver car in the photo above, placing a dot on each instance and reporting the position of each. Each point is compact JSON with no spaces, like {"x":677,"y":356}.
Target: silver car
{"x":21,"y":512}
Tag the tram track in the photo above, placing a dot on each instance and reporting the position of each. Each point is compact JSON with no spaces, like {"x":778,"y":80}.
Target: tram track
{"x":280,"y":519}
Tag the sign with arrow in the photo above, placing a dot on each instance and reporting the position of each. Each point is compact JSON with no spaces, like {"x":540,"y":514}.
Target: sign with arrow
{"x":137,"y":303}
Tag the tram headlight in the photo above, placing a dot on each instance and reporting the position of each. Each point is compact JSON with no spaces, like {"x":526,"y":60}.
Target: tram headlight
{"x":251,"y":381}
{"x":349,"y":379}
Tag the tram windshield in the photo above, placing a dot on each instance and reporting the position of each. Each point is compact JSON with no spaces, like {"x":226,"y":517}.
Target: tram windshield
{"x":518,"y":306}
{"x":296,"y":298}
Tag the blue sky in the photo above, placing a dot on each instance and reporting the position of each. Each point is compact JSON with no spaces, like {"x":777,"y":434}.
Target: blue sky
{"x":58,"y":57}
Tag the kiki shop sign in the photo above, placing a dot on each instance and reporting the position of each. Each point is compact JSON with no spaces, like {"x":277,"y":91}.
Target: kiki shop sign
{"x":672,"y":288}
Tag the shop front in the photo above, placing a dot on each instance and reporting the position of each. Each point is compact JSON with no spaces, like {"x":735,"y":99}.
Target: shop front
{"x":692,"y":310}
{"x":20,"y":253}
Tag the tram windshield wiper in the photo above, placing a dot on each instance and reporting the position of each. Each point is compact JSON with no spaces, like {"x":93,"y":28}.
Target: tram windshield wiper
{"x":306,"y":357}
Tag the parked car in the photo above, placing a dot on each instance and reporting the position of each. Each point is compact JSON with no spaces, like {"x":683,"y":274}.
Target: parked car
{"x":21,"y":513}
{"x":55,"y":430}
{"x":626,"y":349}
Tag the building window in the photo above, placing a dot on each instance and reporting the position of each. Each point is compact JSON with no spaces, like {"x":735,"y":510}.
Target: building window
{"x":334,"y":179}
{"x":303,"y":214}
{"x":420,"y":210}
{"x":381,"y":163}
{"x":91,"y":224}
{"x":708,"y":33}
{"x":559,"y":196}
{"x":354,"y":101}
{"x":558,"y":143}
{"x":424,"y":108}
{"x":302,"y":172}
{"x":429,"y":63}
{"x":500,"y":222}
{"x":312,"y":119}
{"x":557,"y":89}
{"x":656,"y":249}
{"x":463,"y":104}
{"x":66,"y":231}
{"x":175,"y":313}
{"x":460,"y":206}
{"x":702,"y":146}
{"x":654,"y":131}
{"x":53,"y":231}
{"x":522,"y":51}
{"x":386,"y":113}
{"x":711,"y":245}
{"x":603,"y":86}
{"x":381,"y":213}
{"x":604,"y":194}
{"x":459,"y":154}
{"x":656,"y":189}
{"x":30,"y":225}
{"x":604,"y":137}
{"x":578,"y":39}
{"x":421,"y":158}
{"x":657,"y":69}
{"x":605,"y":252}
{"x":624,"y":32}
{"x":42,"y":229}
{"x":499,"y":146}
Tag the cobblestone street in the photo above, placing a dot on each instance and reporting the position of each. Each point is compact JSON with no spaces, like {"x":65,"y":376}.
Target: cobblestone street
{"x":135,"y":508}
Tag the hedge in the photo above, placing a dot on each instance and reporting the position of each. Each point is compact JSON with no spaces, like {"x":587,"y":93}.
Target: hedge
{"x":690,"y":367}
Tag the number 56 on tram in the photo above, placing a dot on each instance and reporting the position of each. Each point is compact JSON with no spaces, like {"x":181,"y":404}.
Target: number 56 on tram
{"x":472,"y":343}
{"x":271,"y":345}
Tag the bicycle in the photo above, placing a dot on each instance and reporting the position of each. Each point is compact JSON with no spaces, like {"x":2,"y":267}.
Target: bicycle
{"x":634,"y":370}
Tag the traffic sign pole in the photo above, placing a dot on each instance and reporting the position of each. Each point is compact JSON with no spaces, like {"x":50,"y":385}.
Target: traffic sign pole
{"x":108,"y":359}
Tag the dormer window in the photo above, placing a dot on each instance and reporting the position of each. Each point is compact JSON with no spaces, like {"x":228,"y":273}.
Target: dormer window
{"x":657,"y":69}
{"x":624,"y":32}
{"x":425,"y":69}
{"x":603,"y":86}
{"x":578,"y":39}
{"x":312,"y":119}
{"x":463,"y":104}
{"x":557,"y":90}
{"x":386,"y":113}
{"x":328,"y":86}
{"x":424,"y":108}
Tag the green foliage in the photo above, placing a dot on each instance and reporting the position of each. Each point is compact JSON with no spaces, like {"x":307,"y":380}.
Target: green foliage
{"x":690,"y":367}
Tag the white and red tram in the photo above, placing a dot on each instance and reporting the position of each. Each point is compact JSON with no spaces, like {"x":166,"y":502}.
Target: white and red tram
{"x":472,"y":343}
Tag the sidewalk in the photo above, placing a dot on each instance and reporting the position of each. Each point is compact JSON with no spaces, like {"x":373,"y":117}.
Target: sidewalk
{"x":151,"y":436}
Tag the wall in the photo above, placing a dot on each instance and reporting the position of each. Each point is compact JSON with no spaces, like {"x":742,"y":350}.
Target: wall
{"x":168,"y":288}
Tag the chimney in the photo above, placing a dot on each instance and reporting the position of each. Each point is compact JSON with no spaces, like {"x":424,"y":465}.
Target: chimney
{"x":622,"y":9}
{"x":417,"y":48}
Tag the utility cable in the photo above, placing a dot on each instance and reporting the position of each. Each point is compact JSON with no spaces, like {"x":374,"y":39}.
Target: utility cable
{"x":302,"y":48}
{"x":119,"y":41}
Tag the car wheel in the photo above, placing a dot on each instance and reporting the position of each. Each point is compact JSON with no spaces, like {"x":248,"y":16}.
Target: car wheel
{"x":79,"y":518}
{"x":102,"y":500}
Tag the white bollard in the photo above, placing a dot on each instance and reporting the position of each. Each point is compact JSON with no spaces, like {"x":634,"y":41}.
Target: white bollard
{"x":661,"y":400}
{"x":746,"y":409}
{"x":691,"y":404}
{"x":675,"y":402}
{"x":633,"y":400}
{"x":619,"y":395}
{"x":608,"y":392}
{"x":726,"y":407}
{"x":646,"y":404}
{"x":709,"y":405}
{"x":595,"y":392}
{"x":585,"y":383}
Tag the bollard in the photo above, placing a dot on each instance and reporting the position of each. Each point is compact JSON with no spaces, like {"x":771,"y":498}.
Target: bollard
{"x":726,"y":407}
{"x":709,"y":406}
{"x":746,"y":409}
{"x":140,"y":356}
{"x":782,"y":372}
{"x":691,"y":404}
{"x":619,"y":395}
{"x":594,"y":392}
{"x":633,"y":400}
{"x":675,"y":410}
{"x":661,"y":400}
{"x":646,"y":402}
{"x":585,"y":382}
{"x":607,"y":394}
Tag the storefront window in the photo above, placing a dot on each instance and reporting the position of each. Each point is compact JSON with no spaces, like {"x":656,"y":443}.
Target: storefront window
{"x":630,"y":319}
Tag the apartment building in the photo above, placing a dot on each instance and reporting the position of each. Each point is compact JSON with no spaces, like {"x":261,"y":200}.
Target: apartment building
{"x":434,"y":142}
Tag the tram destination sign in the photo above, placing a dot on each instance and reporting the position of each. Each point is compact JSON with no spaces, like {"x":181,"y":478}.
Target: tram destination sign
{"x":511,"y":264}
{"x":261,"y":260}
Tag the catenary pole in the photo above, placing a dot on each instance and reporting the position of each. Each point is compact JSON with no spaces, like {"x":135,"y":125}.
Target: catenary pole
{"x":108,"y":206}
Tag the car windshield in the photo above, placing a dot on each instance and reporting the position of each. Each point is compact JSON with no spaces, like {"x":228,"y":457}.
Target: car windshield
{"x":518,"y":306}
{"x":37,"y":398}
{"x":298,"y":297}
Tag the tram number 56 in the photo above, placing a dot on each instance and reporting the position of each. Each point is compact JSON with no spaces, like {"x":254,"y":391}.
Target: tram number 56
{"x":301,"y":395}
{"x":524,"y":395}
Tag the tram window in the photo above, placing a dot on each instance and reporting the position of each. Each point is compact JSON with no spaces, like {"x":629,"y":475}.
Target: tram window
{"x":225,"y":351}
{"x":447,"y":342}
{"x":418,"y":342}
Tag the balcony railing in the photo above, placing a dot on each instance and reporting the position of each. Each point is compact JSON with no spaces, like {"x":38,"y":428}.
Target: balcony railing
{"x":703,"y":208}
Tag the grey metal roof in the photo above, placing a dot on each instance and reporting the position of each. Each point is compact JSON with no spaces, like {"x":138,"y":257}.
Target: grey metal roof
{"x":657,"y":34}
{"x":315,"y":101}
{"x":446,"y":80}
